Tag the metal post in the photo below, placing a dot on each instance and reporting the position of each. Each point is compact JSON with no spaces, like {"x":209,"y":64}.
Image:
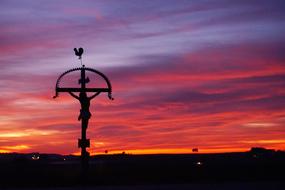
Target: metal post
{"x":84,"y":141}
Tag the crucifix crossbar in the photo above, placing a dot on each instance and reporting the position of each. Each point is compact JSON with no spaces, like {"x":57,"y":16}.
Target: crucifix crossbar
{"x":82,"y":90}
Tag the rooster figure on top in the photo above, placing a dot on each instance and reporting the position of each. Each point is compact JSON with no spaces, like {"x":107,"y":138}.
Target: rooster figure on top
{"x":78,"y":52}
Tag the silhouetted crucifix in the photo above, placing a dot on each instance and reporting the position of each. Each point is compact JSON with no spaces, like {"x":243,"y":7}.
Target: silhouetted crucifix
{"x":84,"y":100}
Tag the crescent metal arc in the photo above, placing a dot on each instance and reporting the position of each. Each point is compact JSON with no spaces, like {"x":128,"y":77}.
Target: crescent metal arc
{"x":59,"y":89}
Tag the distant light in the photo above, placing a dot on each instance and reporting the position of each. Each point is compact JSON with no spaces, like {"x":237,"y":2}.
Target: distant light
{"x":199,"y":163}
{"x":34,"y":157}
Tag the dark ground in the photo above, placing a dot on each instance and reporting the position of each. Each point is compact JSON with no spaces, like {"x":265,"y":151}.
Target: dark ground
{"x":215,"y":171}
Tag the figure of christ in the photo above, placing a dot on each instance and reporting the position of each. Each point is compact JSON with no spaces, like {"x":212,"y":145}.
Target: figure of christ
{"x":85,"y":104}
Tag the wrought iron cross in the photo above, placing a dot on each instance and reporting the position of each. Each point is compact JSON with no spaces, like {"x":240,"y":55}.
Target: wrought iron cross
{"x":84,"y":100}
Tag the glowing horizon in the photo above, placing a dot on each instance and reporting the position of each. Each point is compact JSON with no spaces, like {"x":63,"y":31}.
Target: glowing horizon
{"x":185,"y":75}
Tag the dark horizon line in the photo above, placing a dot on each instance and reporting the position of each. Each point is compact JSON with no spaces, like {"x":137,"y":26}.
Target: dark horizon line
{"x":150,"y":154}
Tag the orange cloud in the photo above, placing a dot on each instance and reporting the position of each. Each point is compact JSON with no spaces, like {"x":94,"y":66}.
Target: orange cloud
{"x":15,"y":148}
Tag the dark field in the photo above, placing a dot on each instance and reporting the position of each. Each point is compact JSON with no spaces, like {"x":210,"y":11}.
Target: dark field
{"x":194,"y":171}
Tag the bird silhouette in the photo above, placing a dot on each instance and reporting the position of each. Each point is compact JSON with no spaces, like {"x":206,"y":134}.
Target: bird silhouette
{"x":78,"y":52}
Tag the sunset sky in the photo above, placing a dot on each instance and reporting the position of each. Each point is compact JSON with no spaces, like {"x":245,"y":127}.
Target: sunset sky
{"x":185,"y":74}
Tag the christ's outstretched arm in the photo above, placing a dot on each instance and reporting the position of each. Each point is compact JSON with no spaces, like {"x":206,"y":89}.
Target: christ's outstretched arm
{"x":73,"y":95}
{"x":93,"y":96}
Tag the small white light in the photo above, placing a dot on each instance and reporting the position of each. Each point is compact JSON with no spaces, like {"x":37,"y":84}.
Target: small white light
{"x":199,"y":163}
{"x":34,"y":157}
